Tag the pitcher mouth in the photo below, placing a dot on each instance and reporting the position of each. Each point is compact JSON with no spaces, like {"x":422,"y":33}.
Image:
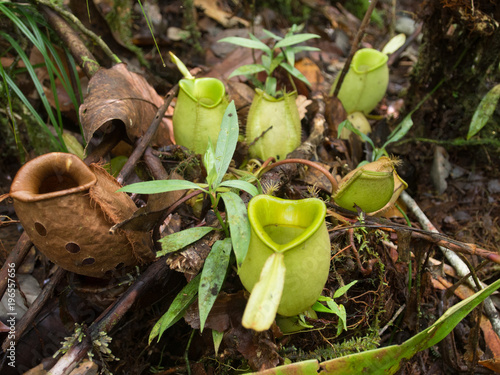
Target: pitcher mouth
{"x":270,"y":214}
{"x":208,"y":92}
{"x":51,"y":175}
{"x":367,"y":60}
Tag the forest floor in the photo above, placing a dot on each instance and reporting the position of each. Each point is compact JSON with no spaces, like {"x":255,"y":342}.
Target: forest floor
{"x":457,"y":187}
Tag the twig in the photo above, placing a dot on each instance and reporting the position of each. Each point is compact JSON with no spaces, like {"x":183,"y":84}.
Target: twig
{"x":146,"y":138}
{"x":16,"y":257}
{"x":109,"y":318}
{"x":354,"y":46}
{"x":309,"y":163}
{"x":71,"y":17}
{"x":456,"y":262}
{"x":80,"y":52}
{"x":35,"y":308}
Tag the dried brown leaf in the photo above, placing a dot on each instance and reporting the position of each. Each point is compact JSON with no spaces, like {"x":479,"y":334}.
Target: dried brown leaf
{"x":118,"y":95}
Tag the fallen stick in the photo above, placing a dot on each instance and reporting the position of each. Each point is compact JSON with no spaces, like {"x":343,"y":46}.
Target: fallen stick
{"x":110,"y":317}
{"x":456,"y":262}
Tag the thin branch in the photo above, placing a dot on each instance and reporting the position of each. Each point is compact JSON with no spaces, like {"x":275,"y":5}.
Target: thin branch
{"x":71,"y":17}
{"x":456,"y":262}
{"x":354,"y":46}
{"x":146,"y":138}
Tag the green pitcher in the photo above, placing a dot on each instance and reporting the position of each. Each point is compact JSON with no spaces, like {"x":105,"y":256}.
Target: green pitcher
{"x":296,"y":229}
{"x":273,"y":125}
{"x":365,"y":83}
{"x":198,"y":112}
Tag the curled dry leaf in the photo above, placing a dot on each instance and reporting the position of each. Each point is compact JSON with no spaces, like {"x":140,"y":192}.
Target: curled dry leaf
{"x":118,"y":95}
{"x":213,"y":10}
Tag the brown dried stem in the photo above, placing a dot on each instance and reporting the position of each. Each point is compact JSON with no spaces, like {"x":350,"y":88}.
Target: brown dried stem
{"x":354,"y":47}
{"x":146,"y":138}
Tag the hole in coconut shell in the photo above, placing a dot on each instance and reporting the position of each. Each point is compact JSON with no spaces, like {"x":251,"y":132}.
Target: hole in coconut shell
{"x":73,"y":247}
{"x":119,"y":265}
{"x":41,"y":230}
{"x":88,"y":261}
{"x":108,"y":273}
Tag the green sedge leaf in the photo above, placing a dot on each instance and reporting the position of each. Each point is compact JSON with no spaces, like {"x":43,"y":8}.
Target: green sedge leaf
{"x":248,"y":43}
{"x":212,"y":277}
{"x":247,"y":70}
{"x":342,"y":290}
{"x":179,"y":240}
{"x":242,"y":185}
{"x":295,"y":72}
{"x":266,"y":295}
{"x":226,"y":142}
{"x":294,"y":39}
{"x":159,"y":186}
{"x":177,"y":309}
{"x":239,"y":225}
{"x":484,"y":111}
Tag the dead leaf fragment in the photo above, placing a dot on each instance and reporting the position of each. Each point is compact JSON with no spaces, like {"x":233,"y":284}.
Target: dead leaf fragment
{"x":118,"y":95}
{"x":212,"y":10}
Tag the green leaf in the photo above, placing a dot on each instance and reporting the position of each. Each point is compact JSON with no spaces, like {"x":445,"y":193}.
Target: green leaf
{"x":178,"y":240}
{"x":239,"y":225}
{"x":387,"y":360}
{"x":247,"y":70}
{"x":319,"y":307}
{"x":271,"y":34}
{"x":290,"y":56}
{"x":342,"y":290}
{"x":484,"y":111}
{"x":248,"y":43}
{"x":294,"y":39}
{"x":242,"y":185}
{"x":266,"y":295}
{"x":348,"y":125}
{"x":271,"y":86}
{"x":217,"y":339}
{"x":338,"y":310}
{"x":295,"y":72}
{"x":394,"y":44}
{"x":180,"y":65}
{"x":177,"y":309}
{"x":226,"y":142}
{"x":400,"y":131}
{"x":212,"y":277}
{"x":298,"y":49}
{"x":159,"y":186}
{"x":209,"y":163}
